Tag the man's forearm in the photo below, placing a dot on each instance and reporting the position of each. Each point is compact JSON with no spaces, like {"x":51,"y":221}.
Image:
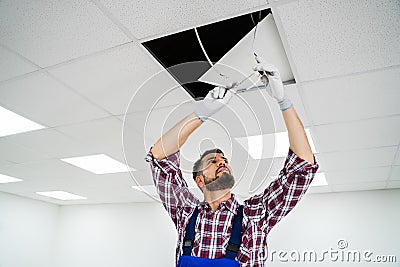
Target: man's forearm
{"x":172,"y":140}
{"x":297,"y":135}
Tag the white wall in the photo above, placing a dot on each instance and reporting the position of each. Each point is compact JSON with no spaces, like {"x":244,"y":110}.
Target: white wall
{"x":27,"y":231}
{"x":117,"y":235}
{"x":141,"y":234}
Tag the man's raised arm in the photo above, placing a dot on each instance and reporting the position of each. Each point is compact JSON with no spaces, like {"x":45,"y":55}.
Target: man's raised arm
{"x":172,"y":140}
{"x":297,"y":135}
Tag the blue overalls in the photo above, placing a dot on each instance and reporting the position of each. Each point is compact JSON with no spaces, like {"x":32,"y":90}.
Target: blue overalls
{"x":233,"y":246}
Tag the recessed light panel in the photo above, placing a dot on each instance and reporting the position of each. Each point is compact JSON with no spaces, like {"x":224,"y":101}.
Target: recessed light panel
{"x":12,"y":123}
{"x":319,"y":179}
{"x":269,"y":145}
{"x":62,"y":195}
{"x":98,"y":164}
{"x":8,"y":179}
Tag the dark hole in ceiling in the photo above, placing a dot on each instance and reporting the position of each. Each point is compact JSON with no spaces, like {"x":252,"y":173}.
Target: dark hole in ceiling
{"x":183,"y":47}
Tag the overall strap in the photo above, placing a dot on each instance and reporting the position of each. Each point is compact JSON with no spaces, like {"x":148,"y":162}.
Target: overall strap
{"x":189,"y":235}
{"x":236,"y":235}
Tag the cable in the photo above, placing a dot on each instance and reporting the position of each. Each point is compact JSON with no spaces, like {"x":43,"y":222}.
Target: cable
{"x":252,"y":48}
{"x":255,"y":31}
{"x":205,"y":53}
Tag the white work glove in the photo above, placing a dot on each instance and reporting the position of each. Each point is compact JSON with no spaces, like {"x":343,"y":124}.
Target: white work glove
{"x":215,"y":100}
{"x":270,"y":73}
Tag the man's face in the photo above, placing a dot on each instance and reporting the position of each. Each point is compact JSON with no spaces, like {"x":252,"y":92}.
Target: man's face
{"x":216,"y":172}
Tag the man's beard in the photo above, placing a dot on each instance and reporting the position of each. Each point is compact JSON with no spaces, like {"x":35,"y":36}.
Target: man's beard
{"x":225,"y":181}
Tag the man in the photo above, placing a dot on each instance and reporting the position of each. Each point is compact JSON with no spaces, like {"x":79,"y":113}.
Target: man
{"x":207,"y":240}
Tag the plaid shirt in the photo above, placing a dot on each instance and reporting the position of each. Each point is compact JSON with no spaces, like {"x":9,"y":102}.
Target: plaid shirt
{"x":261,"y":212}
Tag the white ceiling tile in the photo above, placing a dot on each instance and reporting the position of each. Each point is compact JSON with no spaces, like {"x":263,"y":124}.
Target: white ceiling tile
{"x":255,"y":112}
{"x":393,"y":184}
{"x":99,"y":135}
{"x":365,"y":158}
{"x":196,"y":145}
{"x":134,"y":157}
{"x":12,"y":65}
{"x":358,"y":134}
{"x":319,"y":189}
{"x":264,"y":173}
{"x":113,"y":78}
{"x":358,"y":186}
{"x":378,"y":174}
{"x":160,"y":90}
{"x":5,"y":162}
{"x":152,"y":124}
{"x":49,"y":32}
{"x":397,"y":160}
{"x":141,"y":178}
{"x":362,"y":96}
{"x":395,"y":173}
{"x":49,"y":143}
{"x":24,"y":189}
{"x":149,"y":18}
{"x":52,"y":172}
{"x":16,"y":153}
{"x":111,"y":181}
{"x":43,"y":100}
{"x":329,"y":38}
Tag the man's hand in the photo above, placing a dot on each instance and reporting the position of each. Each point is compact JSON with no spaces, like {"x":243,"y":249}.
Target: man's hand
{"x":213,"y":102}
{"x":275,"y":88}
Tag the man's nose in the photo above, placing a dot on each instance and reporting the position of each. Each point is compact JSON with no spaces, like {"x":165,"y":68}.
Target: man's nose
{"x":221,"y":163}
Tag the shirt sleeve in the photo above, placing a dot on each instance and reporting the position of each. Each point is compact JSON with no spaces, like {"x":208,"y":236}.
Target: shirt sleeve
{"x":170,"y":184}
{"x":283,"y":193}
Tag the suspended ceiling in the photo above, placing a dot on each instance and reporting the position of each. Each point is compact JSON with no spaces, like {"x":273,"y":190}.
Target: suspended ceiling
{"x":74,"y":67}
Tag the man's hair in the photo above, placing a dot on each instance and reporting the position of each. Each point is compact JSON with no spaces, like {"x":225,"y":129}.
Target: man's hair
{"x":197,"y":166}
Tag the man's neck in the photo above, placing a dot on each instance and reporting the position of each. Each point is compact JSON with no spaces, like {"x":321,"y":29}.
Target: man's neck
{"x":214,"y":198}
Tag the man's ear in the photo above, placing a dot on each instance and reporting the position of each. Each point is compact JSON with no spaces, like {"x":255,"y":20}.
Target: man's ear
{"x":200,"y":180}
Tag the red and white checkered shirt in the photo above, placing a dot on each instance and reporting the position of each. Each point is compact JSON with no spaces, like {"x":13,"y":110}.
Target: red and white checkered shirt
{"x":261,"y":212}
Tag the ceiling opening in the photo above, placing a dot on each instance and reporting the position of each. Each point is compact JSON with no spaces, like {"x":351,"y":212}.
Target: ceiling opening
{"x":227,"y":41}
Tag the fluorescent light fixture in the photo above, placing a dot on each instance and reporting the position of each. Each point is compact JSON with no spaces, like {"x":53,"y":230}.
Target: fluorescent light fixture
{"x":269,"y":145}
{"x":12,"y":123}
{"x":8,"y":179}
{"x":98,"y":164}
{"x":60,"y":195}
{"x":319,"y":179}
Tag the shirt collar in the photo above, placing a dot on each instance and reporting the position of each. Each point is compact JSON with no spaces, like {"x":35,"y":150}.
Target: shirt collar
{"x":231,"y":204}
